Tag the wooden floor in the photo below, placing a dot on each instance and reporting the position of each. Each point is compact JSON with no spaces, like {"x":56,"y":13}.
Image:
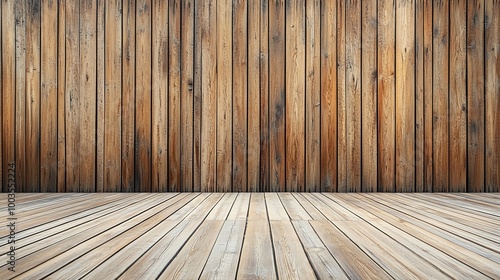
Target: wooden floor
{"x":249,"y":236}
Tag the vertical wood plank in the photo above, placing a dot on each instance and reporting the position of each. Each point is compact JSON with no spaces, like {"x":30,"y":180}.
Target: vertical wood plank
{"x":34,"y":33}
{"x":328,"y":111}
{"x":440,"y":110}
{"x":113,"y":91}
{"x":8,"y":87}
{"x":240,"y":88}
{"x":312,"y":97}
{"x":353,"y":94}
{"x":492,"y":92}
{"x":143,"y":97}
{"x":419,"y":95}
{"x":295,"y":99}
{"x":128,"y":97}
{"x":187,"y":90}
{"x":101,"y":80}
{"x":264,"y":98}
{"x":61,"y":94}
{"x":72,"y":100}
{"x":197,"y":93}
{"x":386,"y":44}
{"x":341,"y":98}
{"x":369,"y":96}
{"x":88,"y":95}
{"x":20,"y":101}
{"x":475,"y":96}
{"x":225,"y":78}
{"x":277,"y":95}
{"x":458,"y":97}
{"x":405,"y":96}
{"x":174,"y":90}
{"x":209,"y":95}
{"x":160,"y":93}
{"x":254,"y":102}
{"x":428,"y":157}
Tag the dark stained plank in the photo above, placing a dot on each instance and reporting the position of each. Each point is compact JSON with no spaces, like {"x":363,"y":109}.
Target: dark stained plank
{"x":328,"y":95}
{"x":419,"y":95}
{"x":277,"y":95}
{"x":475,"y":96}
{"x":386,"y":96}
{"x":458,"y":97}
{"x":369,"y":92}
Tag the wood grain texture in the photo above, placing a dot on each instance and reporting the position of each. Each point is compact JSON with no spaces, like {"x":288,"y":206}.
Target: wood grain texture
{"x":294,"y":94}
{"x":405,"y":96}
{"x":440,"y":102}
{"x":253,"y":97}
{"x":458,"y":97}
{"x":475,"y":96}
{"x":187,"y":94}
{"x":369,"y":92}
{"x":174,"y":98}
{"x":277,"y":95}
{"x":312,"y":97}
{"x":492,"y":92}
{"x":88,"y":96}
{"x":353,"y":94}
{"x":113,"y":94}
{"x":328,"y":95}
{"x":386,"y":96}
{"x":128,"y":97}
{"x":240,"y":97}
{"x":208,"y":142}
{"x":282,"y":95}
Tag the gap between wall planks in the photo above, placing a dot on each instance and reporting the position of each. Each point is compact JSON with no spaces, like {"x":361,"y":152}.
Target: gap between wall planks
{"x":277,"y":95}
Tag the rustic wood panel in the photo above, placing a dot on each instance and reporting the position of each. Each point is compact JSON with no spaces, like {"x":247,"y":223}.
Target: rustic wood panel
{"x":332,"y":96}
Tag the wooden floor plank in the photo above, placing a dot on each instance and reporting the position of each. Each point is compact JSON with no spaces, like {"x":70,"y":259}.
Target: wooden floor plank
{"x":291,"y":260}
{"x":189,"y":263}
{"x":323,"y":263}
{"x":257,"y":255}
{"x":256,"y":235}
{"x":223,"y":261}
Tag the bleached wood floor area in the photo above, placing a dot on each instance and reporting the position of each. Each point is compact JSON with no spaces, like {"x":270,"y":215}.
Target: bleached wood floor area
{"x":249,"y":236}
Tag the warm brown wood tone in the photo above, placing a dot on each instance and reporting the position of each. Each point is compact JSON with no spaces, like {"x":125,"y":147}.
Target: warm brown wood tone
{"x":221,"y":95}
{"x":248,"y":236}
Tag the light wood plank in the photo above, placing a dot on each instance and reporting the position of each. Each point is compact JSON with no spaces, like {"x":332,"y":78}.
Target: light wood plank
{"x":257,"y":210}
{"x":257,"y":255}
{"x":19,"y":105}
{"x":291,"y":260}
{"x":275,"y":209}
{"x":223,"y":260}
{"x":293,"y":208}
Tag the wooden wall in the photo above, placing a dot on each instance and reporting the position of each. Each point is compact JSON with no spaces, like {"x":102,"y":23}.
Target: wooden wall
{"x":279,"y":95}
